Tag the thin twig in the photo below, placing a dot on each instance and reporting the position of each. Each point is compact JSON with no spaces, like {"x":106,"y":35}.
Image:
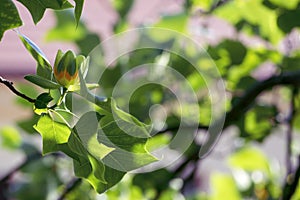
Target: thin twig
{"x":9,"y":84}
{"x":289,"y":134}
{"x":75,"y":182}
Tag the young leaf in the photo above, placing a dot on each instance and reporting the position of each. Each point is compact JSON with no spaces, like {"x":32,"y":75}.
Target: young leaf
{"x":78,"y":9}
{"x":9,"y":16}
{"x":42,"y":82}
{"x":37,"y":7}
{"x":53,"y":133}
{"x":44,"y":68}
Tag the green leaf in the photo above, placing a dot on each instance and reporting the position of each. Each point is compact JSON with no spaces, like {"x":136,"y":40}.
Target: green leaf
{"x":86,"y":129}
{"x":102,"y":102}
{"x":88,"y":43}
{"x":44,"y":68}
{"x":100,"y":176}
{"x":258,"y":122}
{"x":53,"y":133}
{"x":174,"y":22}
{"x":224,"y":187}
{"x":37,"y":7}
{"x":11,"y":138}
{"x":112,"y":177}
{"x":9,"y":16}
{"x":76,"y":88}
{"x":66,"y":28}
{"x":291,"y":4}
{"x":129,"y":141}
{"x":256,"y":160}
{"x":42,"y":82}
{"x":64,"y":116}
{"x":263,"y":23}
{"x":78,"y":9}
{"x":42,"y":100}
{"x":122,"y":7}
{"x":122,"y":131}
{"x":228,"y":53}
{"x":286,"y":20}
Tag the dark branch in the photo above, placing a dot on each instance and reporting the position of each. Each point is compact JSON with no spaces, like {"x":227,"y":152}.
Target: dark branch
{"x":9,"y":84}
{"x":289,"y":134}
{"x":247,"y":100}
{"x":291,"y":183}
{"x":75,"y":182}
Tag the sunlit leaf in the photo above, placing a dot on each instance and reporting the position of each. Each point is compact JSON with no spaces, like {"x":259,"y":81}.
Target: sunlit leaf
{"x":53,"y":133}
{"x":66,"y":28}
{"x":224,"y":187}
{"x":292,"y":4}
{"x":250,"y":159}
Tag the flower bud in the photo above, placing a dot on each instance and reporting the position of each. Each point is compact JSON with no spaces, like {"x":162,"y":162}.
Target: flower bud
{"x":65,"y":68}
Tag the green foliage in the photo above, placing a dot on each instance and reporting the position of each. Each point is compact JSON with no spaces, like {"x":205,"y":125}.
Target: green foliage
{"x":122,"y":7}
{"x":224,"y":187}
{"x":9,"y":17}
{"x":43,"y":66}
{"x":238,"y":160}
{"x":53,"y":133}
{"x":10,"y":137}
{"x":37,"y":8}
{"x":98,"y":143}
{"x":67,"y":30}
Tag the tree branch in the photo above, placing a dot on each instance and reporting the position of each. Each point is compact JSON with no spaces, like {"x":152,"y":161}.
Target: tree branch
{"x":246,"y":101}
{"x":9,"y":84}
{"x":289,"y":134}
{"x":291,"y":183}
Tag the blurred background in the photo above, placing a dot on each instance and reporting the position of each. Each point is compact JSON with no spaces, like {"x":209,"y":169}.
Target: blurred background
{"x":249,"y":41}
